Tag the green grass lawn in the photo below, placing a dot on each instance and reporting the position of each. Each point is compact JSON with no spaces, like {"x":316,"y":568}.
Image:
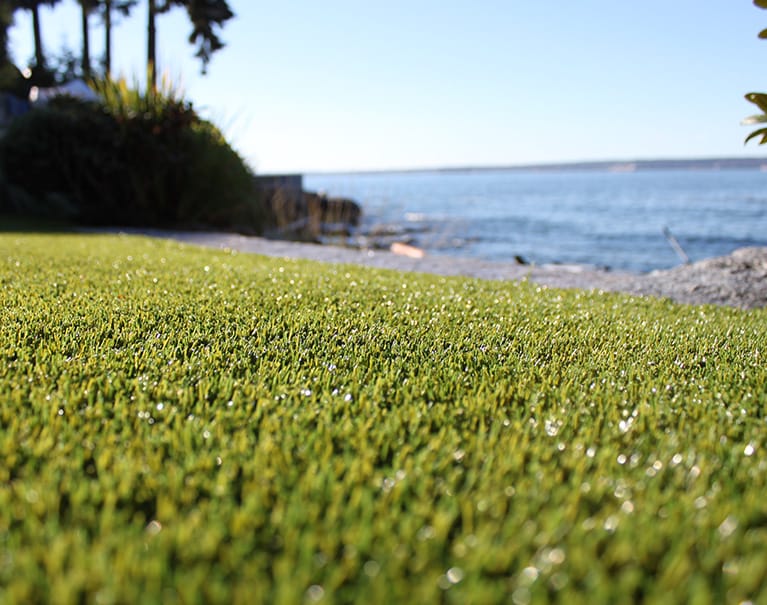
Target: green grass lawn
{"x":180,"y":425}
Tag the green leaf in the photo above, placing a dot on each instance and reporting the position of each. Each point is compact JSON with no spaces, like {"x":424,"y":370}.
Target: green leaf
{"x":761,"y":3}
{"x":762,"y":132}
{"x":759,"y":118}
{"x":763,"y":34}
{"x":759,"y":99}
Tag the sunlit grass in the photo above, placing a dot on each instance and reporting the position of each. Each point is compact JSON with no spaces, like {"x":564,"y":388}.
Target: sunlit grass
{"x":183,"y":425}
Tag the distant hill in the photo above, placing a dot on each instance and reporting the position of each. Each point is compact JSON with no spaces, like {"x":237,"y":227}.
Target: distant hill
{"x":632,"y":166}
{"x":604,"y":166}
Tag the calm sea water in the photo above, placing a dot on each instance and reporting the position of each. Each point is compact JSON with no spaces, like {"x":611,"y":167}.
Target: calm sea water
{"x":605,"y":219}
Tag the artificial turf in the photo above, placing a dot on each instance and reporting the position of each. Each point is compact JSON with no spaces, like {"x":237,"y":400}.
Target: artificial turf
{"x":180,"y":425}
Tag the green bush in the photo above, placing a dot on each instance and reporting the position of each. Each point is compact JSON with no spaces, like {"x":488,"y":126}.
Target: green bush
{"x":140,"y":160}
{"x":60,"y":161}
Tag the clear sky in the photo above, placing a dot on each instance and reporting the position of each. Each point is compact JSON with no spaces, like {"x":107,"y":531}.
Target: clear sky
{"x":305,"y":86}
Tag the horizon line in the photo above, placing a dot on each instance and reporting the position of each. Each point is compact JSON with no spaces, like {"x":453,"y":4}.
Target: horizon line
{"x":622,"y":165}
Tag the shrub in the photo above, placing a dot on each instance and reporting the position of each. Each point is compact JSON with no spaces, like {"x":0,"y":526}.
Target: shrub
{"x":134,"y":159}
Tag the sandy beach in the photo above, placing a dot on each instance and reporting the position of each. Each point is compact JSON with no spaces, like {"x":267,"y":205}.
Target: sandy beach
{"x":737,"y":280}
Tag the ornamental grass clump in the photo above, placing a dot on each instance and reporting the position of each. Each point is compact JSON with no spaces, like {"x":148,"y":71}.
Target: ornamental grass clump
{"x":187,"y":425}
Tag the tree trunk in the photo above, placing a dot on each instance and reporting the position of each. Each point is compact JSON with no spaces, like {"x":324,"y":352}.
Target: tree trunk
{"x":86,"y":41}
{"x":6,"y":20}
{"x":39,"y":56}
{"x":108,"y":38}
{"x":151,"y":68}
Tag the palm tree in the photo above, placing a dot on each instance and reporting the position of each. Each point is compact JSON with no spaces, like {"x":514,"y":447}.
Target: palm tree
{"x":6,"y":20}
{"x":123,"y":7}
{"x":86,"y":8}
{"x":34,"y":7}
{"x":155,"y":8}
{"x":11,"y":79}
{"x":204,"y":15}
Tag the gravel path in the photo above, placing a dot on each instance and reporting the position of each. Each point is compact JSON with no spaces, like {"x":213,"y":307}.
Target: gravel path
{"x":737,"y":280}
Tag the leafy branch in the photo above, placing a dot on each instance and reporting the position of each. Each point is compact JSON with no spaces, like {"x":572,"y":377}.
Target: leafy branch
{"x":758,"y":98}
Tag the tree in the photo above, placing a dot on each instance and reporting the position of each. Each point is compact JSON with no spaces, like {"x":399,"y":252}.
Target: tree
{"x":6,"y":20}
{"x":86,"y":8}
{"x":757,"y":98}
{"x":33,"y":6}
{"x":204,"y":15}
{"x":11,"y":79}
{"x":122,"y":7}
{"x":151,"y":39}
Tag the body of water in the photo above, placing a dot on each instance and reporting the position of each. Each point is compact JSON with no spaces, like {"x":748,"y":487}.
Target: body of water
{"x":604,"y":219}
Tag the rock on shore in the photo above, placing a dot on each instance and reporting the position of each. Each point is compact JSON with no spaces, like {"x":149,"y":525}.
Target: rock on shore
{"x":306,"y":216}
{"x":737,"y":280}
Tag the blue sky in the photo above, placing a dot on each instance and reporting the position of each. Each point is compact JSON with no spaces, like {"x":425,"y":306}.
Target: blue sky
{"x":339,"y":85}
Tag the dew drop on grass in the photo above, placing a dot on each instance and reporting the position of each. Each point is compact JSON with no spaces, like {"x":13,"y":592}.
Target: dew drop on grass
{"x":621,"y":459}
{"x":348,"y":397}
{"x":320,"y":560}
{"x":371,"y":568}
{"x":552,"y":427}
{"x":728,"y":526}
{"x":315,"y":592}
{"x":425,"y":533}
{"x":454,"y":575}
{"x":749,"y":450}
{"x":556,"y":556}
{"x":529,"y":575}
{"x":521,"y":596}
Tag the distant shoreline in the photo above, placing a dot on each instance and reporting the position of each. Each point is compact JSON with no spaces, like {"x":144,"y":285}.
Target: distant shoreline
{"x":614,"y":166}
